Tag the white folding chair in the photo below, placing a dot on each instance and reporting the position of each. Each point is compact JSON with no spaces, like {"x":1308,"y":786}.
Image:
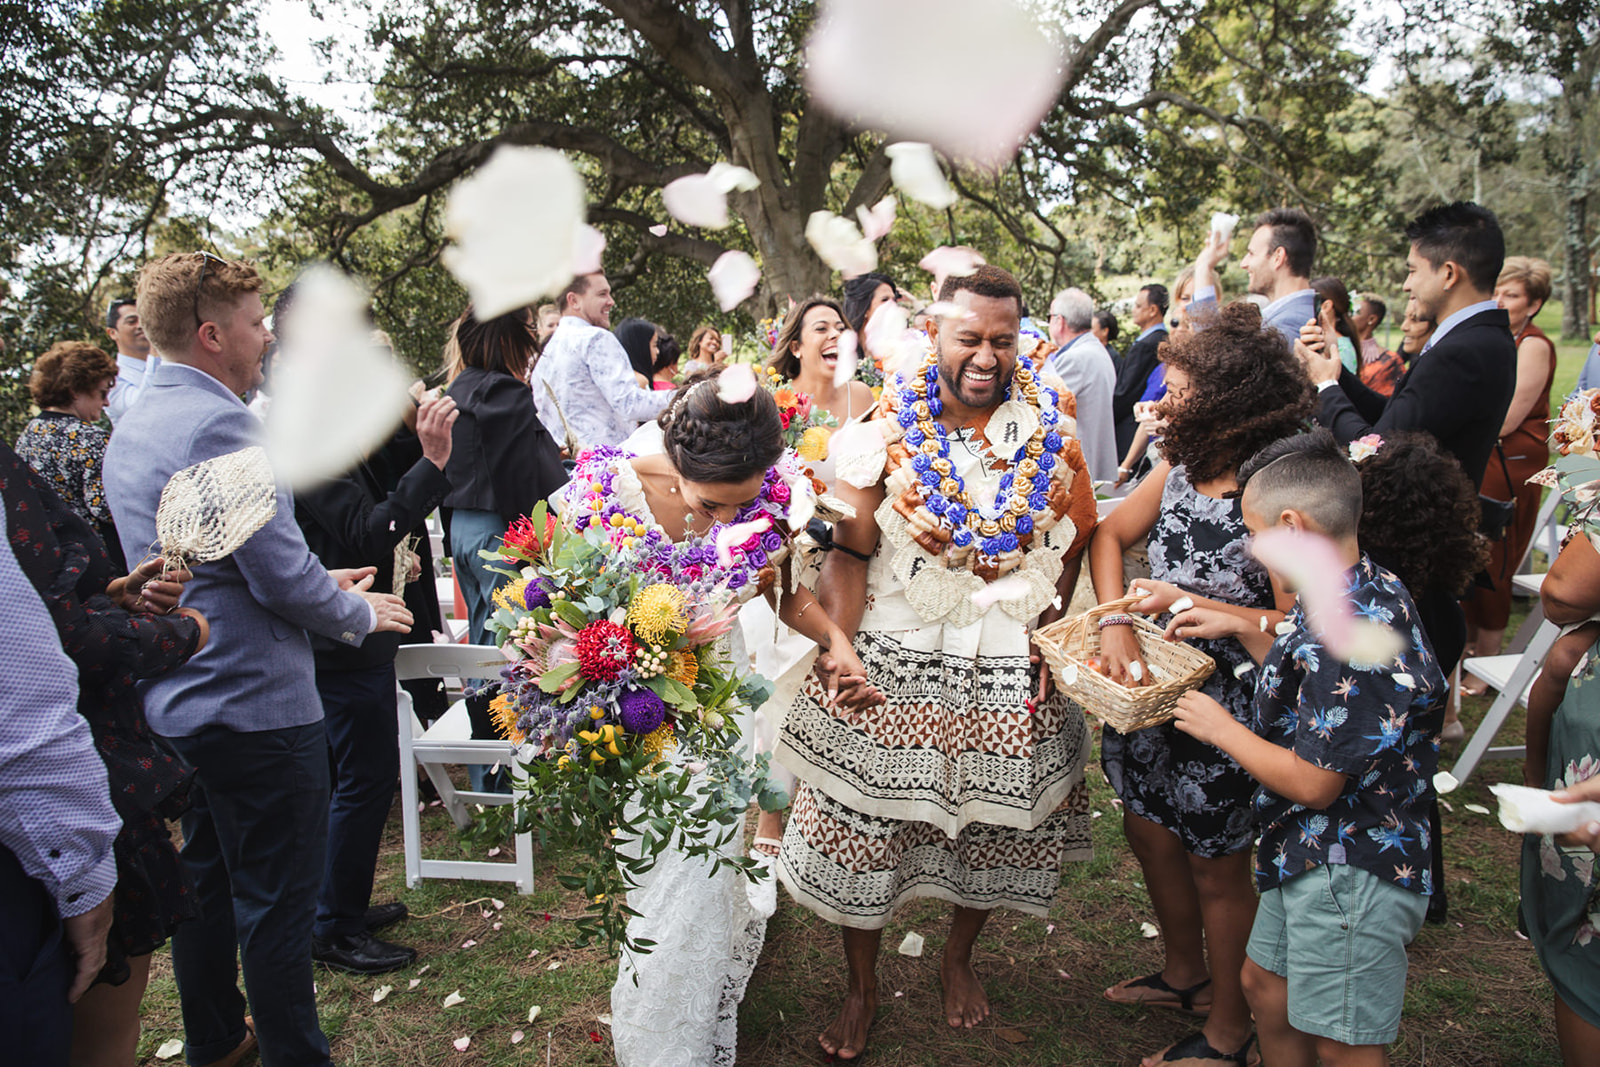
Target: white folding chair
{"x":1511,"y":676}
{"x":1547,"y":525}
{"x":449,"y":741}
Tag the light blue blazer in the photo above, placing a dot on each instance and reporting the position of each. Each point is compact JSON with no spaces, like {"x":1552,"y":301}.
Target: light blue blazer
{"x":256,"y":672}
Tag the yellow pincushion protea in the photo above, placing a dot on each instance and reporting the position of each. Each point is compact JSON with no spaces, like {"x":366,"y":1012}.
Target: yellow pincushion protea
{"x":504,"y":714}
{"x":511,"y":595}
{"x":660,"y":740}
{"x":685,"y":667}
{"x":814,"y":444}
{"x":657,"y":613}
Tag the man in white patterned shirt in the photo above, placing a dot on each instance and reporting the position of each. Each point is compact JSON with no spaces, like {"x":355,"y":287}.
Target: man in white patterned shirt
{"x":583,"y":385}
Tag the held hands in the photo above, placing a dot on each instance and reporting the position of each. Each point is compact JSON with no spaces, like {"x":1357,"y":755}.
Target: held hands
{"x":147,"y":589}
{"x":435,"y":418}
{"x":86,"y":935}
{"x":846,"y":680}
{"x":1203,"y":718}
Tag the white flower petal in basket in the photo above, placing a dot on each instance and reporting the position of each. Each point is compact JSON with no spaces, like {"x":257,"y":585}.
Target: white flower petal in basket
{"x":1067,"y":674}
{"x":210,"y":509}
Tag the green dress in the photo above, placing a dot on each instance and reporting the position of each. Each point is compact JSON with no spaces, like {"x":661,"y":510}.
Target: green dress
{"x":1561,"y":886}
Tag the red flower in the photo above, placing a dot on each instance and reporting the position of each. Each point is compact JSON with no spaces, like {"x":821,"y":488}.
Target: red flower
{"x":604,"y":648}
{"x":594,"y":1035}
{"x":521,"y":534}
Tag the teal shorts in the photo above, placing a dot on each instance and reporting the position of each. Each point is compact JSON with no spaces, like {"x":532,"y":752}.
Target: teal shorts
{"x":1344,"y":953}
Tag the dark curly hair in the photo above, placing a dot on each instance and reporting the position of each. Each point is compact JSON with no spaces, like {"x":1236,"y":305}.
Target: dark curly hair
{"x":710,"y":440}
{"x":1420,"y":515}
{"x":67,"y":369}
{"x":1246,"y":390}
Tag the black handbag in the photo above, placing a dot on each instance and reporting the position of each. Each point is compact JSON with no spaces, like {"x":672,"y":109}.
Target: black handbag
{"x":1497,"y":515}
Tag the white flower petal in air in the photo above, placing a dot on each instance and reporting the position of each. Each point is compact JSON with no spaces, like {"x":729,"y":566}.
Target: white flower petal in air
{"x":737,"y":534}
{"x":846,"y":358}
{"x":1476,"y":809}
{"x":945,"y":261}
{"x":659,"y":230}
{"x":516,"y":226}
{"x":736,"y":383}
{"x":884,"y":328}
{"x":840,"y":244}
{"x":335,"y":395}
{"x":733,"y":277}
{"x":453,"y":999}
{"x":877,"y":220}
{"x":802,"y":503}
{"x":861,"y":452}
{"x":731,"y":179}
{"x":915,"y":171}
{"x":887,"y":64}
{"x":591,"y":247}
{"x":695,"y":200}
{"x":948,"y":309}
{"x":1007,"y":588}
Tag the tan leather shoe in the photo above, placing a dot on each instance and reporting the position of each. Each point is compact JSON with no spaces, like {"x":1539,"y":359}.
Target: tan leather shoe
{"x":245,"y":1051}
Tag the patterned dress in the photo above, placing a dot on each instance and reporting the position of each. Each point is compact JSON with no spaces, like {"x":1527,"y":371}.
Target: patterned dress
{"x":1561,"y":886}
{"x":958,"y":787}
{"x":112,"y":649}
{"x":1161,"y":773}
{"x":69,"y":455}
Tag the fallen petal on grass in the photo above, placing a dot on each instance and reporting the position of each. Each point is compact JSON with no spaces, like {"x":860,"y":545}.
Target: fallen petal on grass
{"x":461,"y":1043}
{"x":169,"y":1049}
{"x":1148,"y":930}
{"x":381,"y":992}
{"x":912,"y":945}
{"x":517,"y":1036}
{"x":453,"y":999}
{"x":533,"y":1013}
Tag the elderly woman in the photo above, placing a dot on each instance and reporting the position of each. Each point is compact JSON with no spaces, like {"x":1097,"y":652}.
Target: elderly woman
{"x":65,"y":442}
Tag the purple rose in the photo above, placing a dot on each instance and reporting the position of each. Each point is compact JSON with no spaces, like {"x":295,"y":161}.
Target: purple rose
{"x":737,"y":579}
{"x":756,"y":558}
{"x":771,"y":541}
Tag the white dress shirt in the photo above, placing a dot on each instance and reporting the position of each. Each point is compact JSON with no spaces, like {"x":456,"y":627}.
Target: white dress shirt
{"x":131,"y":373}
{"x":1089,"y":371}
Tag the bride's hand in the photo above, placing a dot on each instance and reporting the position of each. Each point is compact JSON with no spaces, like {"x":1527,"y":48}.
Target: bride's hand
{"x":846,"y":679}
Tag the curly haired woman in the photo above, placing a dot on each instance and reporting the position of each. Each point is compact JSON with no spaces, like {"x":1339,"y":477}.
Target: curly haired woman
{"x":1231,"y":389}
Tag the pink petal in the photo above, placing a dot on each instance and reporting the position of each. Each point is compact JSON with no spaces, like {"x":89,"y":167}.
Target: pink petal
{"x":888,"y":64}
{"x":945,"y":261}
{"x":517,"y":1036}
{"x":695,"y":200}
{"x":848,"y":357}
{"x":591,"y":246}
{"x":1311,"y":564}
{"x":840,"y":244}
{"x":736,"y":383}
{"x":468,"y":943}
{"x":915,"y":171}
{"x":737,"y":534}
{"x":876,"y":221}
{"x":461,"y":1043}
{"x":659,"y":231}
{"x":733,"y":277}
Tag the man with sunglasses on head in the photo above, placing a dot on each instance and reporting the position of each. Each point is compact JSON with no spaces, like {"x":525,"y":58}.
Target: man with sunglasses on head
{"x":245,"y":710}
{"x":134,"y":358}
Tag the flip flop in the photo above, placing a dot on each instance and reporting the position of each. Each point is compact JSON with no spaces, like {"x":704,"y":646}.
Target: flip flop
{"x":1196,"y":1047}
{"x":1179,"y":999}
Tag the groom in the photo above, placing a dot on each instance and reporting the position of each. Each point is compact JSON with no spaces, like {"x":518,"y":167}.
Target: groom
{"x":967,"y":784}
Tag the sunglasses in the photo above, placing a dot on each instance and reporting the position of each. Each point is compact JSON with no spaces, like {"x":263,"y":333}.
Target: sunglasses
{"x":206,"y":259}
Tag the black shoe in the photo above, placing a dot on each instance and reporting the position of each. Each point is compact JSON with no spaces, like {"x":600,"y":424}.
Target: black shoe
{"x":362,"y":954}
{"x":380,"y":915}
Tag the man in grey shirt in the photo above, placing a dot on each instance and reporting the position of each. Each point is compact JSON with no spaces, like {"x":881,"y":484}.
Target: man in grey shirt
{"x":1083,"y":363}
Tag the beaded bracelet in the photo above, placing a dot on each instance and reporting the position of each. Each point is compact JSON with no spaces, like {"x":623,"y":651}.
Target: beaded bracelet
{"x":1116,"y":620}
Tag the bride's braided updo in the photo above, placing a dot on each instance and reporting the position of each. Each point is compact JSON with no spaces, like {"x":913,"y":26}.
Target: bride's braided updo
{"x":709,"y":440}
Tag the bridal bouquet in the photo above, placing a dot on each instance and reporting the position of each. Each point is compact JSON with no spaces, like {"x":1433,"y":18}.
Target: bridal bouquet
{"x":1576,"y":472}
{"x":612,"y":635}
{"x":806,"y":427}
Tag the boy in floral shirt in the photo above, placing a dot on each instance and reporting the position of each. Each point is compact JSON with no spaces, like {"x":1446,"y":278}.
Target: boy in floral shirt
{"x":1345,"y":756}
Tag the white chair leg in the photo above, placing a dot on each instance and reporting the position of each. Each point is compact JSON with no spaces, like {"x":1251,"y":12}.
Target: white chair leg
{"x":524,"y":848}
{"x":1527,"y":667}
{"x":410,"y":817}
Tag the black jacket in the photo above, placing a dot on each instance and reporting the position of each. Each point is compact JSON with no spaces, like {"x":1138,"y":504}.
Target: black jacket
{"x":353,"y":521}
{"x":1459,"y":391}
{"x":501,"y":459}
{"x":1132,"y":378}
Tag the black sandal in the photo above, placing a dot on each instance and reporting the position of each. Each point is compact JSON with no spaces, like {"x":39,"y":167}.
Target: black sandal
{"x":1185,"y":997}
{"x":1196,"y":1047}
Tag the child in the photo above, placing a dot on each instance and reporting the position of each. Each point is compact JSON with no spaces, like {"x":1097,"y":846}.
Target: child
{"x":1345,"y":756}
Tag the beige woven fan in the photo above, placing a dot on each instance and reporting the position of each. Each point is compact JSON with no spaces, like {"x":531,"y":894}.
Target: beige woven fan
{"x":210,"y":509}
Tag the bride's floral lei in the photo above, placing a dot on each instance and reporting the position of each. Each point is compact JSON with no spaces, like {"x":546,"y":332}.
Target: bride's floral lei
{"x":990,"y":539}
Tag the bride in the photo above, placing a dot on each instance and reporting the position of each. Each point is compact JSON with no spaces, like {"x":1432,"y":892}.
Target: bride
{"x":677,"y":1005}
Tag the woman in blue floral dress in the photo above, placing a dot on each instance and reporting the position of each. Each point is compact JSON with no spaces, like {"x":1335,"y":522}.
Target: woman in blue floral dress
{"x":1231,"y":389}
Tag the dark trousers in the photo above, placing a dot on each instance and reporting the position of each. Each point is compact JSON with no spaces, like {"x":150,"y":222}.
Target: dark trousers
{"x":358,"y":708}
{"x":254,"y":843}
{"x":36,"y":969}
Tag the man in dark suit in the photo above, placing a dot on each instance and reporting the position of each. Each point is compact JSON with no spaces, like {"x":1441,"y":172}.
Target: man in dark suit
{"x":1459,"y":387}
{"x":1149,"y":309}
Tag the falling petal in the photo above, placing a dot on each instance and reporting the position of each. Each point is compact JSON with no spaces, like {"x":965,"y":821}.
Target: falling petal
{"x":887,"y":64}
{"x":533,"y":1013}
{"x":1312,"y":565}
{"x":169,"y":1048}
{"x":1404,"y":680}
{"x":1183,"y":603}
{"x":1148,"y":930}
{"x":736,"y":383}
{"x":945,"y":261}
{"x":659,"y":230}
{"x":885,"y":327}
{"x":453,"y":999}
{"x":733,"y":277}
{"x":861,"y":452}
{"x":877,"y":221}
{"x":845,"y":359}
{"x":517,"y":1036}
{"x":517,"y":228}
{"x":1243,"y":669}
{"x":738,"y":533}
{"x":1445,"y":782}
{"x":915,"y":171}
{"x":1476,"y":809}
{"x":912,"y":945}
{"x":695,"y":200}
{"x":840,"y":244}
{"x":381,"y":992}
{"x":591,"y":247}
{"x":461,"y":1043}
{"x":1009,"y":587}
{"x":948,"y":309}
{"x":335,"y":395}
{"x":731,"y":179}
{"x":802,"y":504}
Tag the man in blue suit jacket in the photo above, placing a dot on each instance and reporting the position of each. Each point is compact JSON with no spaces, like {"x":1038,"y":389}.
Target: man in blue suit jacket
{"x":1278,"y":262}
{"x":245,"y":710}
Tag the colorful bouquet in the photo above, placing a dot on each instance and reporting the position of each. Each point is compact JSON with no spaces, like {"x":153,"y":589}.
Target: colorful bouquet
{"x":1576,"y":473}
{"x":806,"y":427}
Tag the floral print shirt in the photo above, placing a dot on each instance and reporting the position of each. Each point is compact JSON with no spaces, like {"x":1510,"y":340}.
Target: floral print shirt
{"x":1378,"y":726}
{"x":69,"y":454}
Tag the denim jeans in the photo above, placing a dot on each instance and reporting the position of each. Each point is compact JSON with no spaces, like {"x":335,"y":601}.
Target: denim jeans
{"x":254,"y":843}
{"x":470,"y":532}
{"x":358,"y":708}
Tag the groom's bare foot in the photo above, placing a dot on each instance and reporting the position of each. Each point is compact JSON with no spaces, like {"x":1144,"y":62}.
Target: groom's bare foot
{"x":965,"y":1003}
{"x":846,"y":1036}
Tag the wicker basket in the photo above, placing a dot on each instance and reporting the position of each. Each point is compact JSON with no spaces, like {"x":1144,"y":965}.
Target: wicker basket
{"x":1175,"y":668}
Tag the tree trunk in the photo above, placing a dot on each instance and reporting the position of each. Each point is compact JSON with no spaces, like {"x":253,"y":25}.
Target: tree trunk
{"x":1575,"y":291}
